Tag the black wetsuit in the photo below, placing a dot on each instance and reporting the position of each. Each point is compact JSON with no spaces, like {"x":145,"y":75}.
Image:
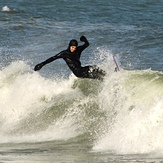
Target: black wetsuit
{"x":73,"y":61}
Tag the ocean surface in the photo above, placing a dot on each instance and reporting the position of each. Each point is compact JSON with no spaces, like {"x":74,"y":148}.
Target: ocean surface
{"x":50,"y":116}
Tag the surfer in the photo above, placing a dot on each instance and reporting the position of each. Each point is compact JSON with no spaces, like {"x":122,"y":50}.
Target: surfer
{"x":72,"y":58}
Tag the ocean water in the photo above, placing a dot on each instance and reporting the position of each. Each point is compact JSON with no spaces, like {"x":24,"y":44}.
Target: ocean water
{"x":52,"y":116}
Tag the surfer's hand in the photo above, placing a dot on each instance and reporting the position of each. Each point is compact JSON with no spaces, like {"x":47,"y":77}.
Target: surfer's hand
{"x":83,"y":38}
{"x":38,"y":66}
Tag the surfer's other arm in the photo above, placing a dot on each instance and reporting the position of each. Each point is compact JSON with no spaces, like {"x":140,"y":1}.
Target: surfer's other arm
{"x":51,"y":59}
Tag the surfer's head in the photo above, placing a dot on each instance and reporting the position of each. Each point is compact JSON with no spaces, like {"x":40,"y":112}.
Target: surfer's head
{"x":73,"y":45}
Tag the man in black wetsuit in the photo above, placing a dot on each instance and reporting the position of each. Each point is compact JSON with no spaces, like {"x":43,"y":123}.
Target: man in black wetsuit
{"x":72,"y":58}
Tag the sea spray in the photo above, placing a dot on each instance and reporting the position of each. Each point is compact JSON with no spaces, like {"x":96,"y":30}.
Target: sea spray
{"x":24,"y":92}
{"x":135,"y":126}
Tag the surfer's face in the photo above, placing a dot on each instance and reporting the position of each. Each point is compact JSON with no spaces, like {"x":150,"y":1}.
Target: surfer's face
{"x":73,"y":48}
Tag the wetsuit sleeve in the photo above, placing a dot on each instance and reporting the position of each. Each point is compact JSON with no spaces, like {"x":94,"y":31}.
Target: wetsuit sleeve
{"x":86,"y":43}
{"x":82,"y":47}
{"x":51,"y":59}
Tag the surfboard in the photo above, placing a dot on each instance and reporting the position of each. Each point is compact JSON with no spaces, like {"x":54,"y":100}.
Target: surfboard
{"x":117,"y":68}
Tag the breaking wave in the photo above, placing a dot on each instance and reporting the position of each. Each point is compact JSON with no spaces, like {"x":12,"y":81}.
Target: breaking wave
{"x":119,"y":114}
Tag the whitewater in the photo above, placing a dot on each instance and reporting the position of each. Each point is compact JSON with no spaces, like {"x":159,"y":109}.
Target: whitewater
{"x":121,"y":114}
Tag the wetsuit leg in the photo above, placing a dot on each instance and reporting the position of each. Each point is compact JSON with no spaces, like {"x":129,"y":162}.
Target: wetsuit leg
{"x":92,"y":72}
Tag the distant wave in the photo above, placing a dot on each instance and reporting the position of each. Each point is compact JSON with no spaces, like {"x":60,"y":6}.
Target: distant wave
{"x":6,"y":9}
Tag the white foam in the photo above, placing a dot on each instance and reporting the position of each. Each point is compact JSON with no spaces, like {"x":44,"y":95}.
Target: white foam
{"x":6,"y":9}
{"x":135,"y":116}
{"x":23,"y":91}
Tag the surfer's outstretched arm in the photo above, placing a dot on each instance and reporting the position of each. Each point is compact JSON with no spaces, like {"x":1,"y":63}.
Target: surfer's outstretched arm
{"x":84,"y":39}
{"x":85,"y":45}
{"x":51,"y":59}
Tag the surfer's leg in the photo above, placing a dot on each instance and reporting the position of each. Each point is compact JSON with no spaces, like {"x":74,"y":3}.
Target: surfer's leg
{"x":92,"y":72}
{"x":97,"y":73}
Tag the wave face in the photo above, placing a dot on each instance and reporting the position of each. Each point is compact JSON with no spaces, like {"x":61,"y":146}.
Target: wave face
{"x":119,"y":114}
